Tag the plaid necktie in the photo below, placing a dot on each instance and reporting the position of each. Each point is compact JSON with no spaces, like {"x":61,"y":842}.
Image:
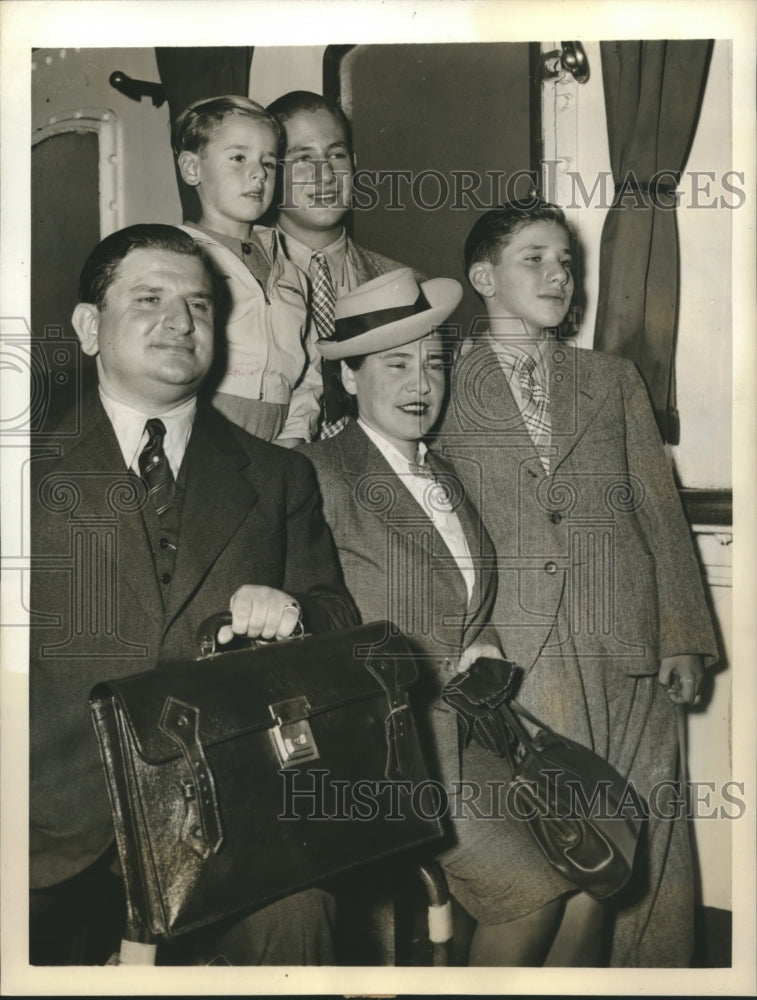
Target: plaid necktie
{"x":322,"y":304}
{"x":535,"y":408}
{"x":323,"y":298}
{"x":155,"y":470}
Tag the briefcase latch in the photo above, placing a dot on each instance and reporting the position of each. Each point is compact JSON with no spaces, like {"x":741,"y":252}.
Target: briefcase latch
{"x":292,"y":735}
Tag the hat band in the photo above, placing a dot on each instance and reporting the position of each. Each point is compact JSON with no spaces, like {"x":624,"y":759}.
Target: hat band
{"x":353,"y":326}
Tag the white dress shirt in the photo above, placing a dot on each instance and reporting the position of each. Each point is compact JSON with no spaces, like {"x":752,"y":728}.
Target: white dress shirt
{"x":342,"y":273}
{"x":446,"y":522}
{"x":129,"y":427}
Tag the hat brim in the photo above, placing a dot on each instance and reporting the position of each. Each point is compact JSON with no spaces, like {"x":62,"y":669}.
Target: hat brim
{"x":442,"y":294}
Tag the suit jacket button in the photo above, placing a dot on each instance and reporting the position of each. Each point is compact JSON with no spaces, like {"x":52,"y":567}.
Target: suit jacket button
{"x":165,"y":578}
{"x":555,"y":517}
{"x":550,"y":568}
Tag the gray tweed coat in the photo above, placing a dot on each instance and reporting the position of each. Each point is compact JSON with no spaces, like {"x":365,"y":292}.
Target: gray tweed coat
{"x":598,"y":581}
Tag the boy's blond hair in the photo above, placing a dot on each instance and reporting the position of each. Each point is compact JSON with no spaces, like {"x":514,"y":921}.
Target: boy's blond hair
{"x":197,"y":124}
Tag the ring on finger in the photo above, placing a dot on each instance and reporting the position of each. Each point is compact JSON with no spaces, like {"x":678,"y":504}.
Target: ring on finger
{"x":299,"y":628}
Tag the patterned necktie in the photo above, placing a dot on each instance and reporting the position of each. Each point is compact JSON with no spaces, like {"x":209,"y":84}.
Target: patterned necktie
{"x":535,"y":408}
{"x":322,"y":304}
{"x":155,"y":470}
{"x":323,"y":298}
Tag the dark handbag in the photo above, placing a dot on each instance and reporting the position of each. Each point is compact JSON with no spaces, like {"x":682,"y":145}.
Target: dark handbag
{"x":250,"y":774}
{"x":583,"y":815}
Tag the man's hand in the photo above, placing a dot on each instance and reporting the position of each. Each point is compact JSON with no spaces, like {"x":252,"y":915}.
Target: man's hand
{"x":682,"y":676}
{"x":261,"y":613}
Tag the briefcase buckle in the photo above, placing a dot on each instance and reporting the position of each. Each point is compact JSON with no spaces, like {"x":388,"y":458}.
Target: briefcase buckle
{"x":292,"y":735}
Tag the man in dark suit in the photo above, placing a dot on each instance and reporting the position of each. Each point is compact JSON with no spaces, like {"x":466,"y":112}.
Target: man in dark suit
{"x":158,"y":513}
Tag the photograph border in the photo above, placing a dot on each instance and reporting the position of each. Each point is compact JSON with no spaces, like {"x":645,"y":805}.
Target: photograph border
{"x":110,"y":23}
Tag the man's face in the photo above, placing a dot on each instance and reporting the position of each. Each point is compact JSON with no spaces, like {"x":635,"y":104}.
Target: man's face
{"x":235,"y":175}
{"x":317,"y":175}
{"x":153,"y":338}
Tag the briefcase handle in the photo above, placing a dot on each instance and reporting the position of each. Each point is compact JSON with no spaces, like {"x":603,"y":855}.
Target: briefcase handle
{"x":207,"y":636}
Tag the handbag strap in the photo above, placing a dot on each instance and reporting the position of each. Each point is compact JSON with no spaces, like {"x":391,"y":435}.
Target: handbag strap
{"x":513,"y":712}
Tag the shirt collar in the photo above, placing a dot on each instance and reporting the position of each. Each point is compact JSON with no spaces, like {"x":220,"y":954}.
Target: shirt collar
{"x":509,"y":350}
{"x":392,"y":454}
{"x":233,"y":243}
{"x":300,"y":254}
{"x":129,"y":427}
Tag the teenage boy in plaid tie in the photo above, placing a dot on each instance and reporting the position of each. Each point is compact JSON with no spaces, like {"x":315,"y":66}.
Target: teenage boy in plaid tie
{"x":600,"y":598}
{"x":316,"y":193}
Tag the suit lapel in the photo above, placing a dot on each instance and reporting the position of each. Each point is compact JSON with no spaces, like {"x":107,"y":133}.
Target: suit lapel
{"x":97,"y":459}
{"x":367,"y":469}
{"x":209,"y":516}
{"x":499,"y":430}
{"x":479,"y":545}
{"x":357,"y":258}
{"x":574,"y":401}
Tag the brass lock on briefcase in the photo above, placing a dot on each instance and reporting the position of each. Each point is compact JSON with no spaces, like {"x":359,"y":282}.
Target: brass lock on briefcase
{"x":292,"y":734}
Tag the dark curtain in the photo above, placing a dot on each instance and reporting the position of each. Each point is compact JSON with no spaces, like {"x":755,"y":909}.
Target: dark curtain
{"x":653,"y":94}
{"x":188,"y":75}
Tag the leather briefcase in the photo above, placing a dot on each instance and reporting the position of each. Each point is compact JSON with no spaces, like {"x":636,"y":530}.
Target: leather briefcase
{"x":250,"y":774}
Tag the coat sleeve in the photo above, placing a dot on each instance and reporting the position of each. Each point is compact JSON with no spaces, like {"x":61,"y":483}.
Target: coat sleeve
{"x":684,"y":619}
{"x":313,"y":575}
{"x":305,"y":403}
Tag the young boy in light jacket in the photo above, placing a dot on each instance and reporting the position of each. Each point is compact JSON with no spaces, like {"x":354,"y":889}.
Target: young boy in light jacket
{"x":227,"y":148}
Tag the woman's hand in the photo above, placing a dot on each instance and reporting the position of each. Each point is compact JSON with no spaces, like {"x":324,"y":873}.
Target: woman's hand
{"x":475,"y":651}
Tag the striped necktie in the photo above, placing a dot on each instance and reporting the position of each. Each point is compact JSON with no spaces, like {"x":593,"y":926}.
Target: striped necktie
{"x":535,"y":405}
{"x":154,"y":468}
{"x":322,"y":304}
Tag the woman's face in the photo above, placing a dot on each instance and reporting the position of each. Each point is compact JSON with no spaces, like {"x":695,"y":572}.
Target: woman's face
{"x":400,"y":391}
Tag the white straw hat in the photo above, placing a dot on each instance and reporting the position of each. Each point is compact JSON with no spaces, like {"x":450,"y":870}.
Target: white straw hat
{"x":387,"y":312}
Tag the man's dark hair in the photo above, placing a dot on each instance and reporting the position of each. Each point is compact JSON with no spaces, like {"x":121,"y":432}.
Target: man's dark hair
{"x":99,"y":271}
{"x":284,"y":107}
{"x":494,"y":230}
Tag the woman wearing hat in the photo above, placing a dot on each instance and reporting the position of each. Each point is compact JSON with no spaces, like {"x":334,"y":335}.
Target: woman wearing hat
{"x":414,"y":552}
